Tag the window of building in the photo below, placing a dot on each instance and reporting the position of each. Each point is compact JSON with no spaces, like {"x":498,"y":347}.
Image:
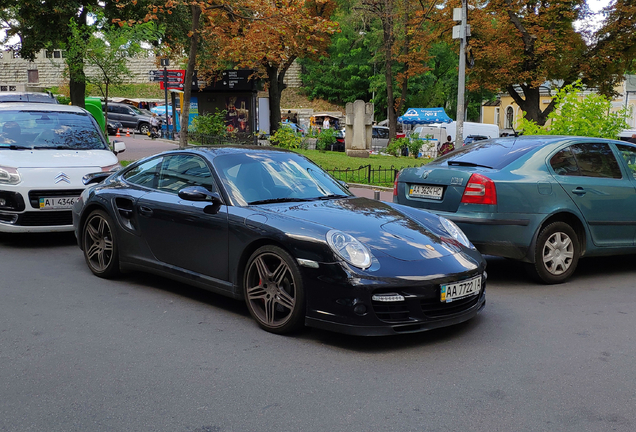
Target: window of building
{"x":33,"y":76}
{"x":510,"y":117}
{"x":49,"y":54}
{"x":4,"y":88}
{"x":56,"y":54}
{"x":497,"y":116}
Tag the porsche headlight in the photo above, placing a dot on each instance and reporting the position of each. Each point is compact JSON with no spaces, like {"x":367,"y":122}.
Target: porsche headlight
{"x":9,"y":175}
{"x":455,"y":232}
{"x":349,"y":249}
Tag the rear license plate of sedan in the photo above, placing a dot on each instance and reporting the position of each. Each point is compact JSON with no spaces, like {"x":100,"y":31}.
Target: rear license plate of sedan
{"x":57,"y":202}
{"x":459,"y":290}
{"x":422,"y":191}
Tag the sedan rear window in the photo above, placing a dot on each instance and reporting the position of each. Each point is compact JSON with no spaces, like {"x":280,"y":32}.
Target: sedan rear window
{"x":493,"y":153}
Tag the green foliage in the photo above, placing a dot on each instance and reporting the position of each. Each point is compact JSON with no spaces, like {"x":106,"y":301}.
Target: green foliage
{"x":326,"y":138}
{"x":579,"y":115}
{"x":286,"y":137}
{"x":395,"y":146}
{"x":210,"y":124}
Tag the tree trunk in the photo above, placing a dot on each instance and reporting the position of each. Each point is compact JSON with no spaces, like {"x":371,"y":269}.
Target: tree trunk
{"x":531,"y":103}
{"x":388,"y":74}
{"x":187,"y":82}
{"x":276,"y":88}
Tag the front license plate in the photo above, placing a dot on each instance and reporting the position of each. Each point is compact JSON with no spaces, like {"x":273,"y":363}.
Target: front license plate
{"x":421,"y":191}
{"x":456,"y":291}
{"x":57,"y":203}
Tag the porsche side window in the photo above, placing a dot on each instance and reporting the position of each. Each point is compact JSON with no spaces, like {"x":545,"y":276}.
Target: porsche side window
{"x":629,"y":154}
{"x":179,"y":171}
{"x":596,"y":160}
{"x":145,"y":174}
{"x":563,"y":163}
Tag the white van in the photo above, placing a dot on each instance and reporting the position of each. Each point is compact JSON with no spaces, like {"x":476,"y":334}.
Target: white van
{"x":470,"y":129}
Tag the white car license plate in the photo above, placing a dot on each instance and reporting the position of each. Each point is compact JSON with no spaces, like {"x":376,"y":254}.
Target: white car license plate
{"x":421,"y":191}
{"x":57,"y":202}
{"x":456,"y":291}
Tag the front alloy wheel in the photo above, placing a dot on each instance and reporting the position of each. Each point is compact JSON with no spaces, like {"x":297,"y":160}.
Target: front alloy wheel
{"x":556,"y":253}
{"x":273,"y":290}
{"x":100,"y":246}
{"x":144,"y":128}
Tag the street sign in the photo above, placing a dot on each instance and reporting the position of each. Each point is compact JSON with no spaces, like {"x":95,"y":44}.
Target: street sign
{"x":173,"y":75}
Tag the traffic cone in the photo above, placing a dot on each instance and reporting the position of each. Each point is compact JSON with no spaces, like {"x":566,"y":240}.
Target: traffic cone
{"x":127,"y":132}
{"x":118,"y":134}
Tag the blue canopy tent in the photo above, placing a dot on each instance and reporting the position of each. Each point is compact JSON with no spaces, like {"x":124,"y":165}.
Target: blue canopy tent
{"x":414,"y":116}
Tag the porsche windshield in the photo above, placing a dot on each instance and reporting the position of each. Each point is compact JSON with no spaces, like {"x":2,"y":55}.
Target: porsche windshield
{"x":47,"y":130}
{"x":260,"y":178}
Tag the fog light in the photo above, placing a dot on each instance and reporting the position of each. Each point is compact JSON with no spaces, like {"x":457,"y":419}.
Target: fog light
{"x":3,"y":202}
{"x":360,"y":309}
{"x":390,"y":297}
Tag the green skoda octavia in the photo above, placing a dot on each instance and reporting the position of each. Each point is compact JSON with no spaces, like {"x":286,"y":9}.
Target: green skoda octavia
{"x":543,"y":200}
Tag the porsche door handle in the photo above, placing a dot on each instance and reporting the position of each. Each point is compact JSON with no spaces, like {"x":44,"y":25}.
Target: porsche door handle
{"x":578,"y":191}
{"x":145,"y":211}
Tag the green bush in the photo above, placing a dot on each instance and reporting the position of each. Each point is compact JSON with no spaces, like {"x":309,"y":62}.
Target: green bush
{"x":326,"y":138}
{"x":286,"y":137}
{"x":210,"y":124}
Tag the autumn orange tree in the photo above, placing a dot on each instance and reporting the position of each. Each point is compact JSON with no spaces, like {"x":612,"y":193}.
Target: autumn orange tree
{"x":278,"y":32}
{"x":409,"y":28}
{"x":519,"y":45}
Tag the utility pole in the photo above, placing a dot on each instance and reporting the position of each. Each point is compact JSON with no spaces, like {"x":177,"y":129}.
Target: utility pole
{"x":461,"y":32}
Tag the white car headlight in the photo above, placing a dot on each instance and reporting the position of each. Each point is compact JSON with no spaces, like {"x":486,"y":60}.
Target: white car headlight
{"x":455,"y":232}
{"x":9,"y":175}
{"x":349,"y":249}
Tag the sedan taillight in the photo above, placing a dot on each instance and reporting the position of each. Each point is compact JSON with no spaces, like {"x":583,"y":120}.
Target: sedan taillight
{"x":480,"y":190}
{"x":395,"y":184}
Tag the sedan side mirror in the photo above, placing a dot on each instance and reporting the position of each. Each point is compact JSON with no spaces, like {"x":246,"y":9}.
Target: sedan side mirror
{"x":119,"y":147}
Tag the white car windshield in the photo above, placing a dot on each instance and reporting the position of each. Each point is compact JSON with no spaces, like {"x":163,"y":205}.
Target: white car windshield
{"x":49,"y":130}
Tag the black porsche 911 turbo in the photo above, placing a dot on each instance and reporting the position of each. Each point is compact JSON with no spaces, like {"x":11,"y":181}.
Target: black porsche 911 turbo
{"x":271,"y":227}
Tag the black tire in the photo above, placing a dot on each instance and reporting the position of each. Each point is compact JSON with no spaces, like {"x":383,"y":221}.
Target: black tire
{"x":101,"y":250}
{"x":273,"y":290}
{"x":556,"y":254}
{"x":144,"y":128}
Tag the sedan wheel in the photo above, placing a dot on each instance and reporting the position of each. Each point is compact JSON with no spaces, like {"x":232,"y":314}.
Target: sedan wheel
{"x":556,"y":254}
{"x":100,"y":246}
{"x":273,"y":290}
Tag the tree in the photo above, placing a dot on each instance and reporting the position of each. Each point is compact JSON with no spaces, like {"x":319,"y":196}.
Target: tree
{"x":45,"y":24}
{"x":408,"y":30}
{"x":276,"y":34}
{"x":579,"y":115}
{"x":105,"y":50}
{"x":519,"y":45}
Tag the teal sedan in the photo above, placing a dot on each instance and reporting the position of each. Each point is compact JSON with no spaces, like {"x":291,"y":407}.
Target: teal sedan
{"x":542,"y":200}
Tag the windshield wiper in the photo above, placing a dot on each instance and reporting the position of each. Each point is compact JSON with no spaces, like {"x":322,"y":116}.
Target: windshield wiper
{"x":331,"y":196}
{"x":467,"y":164}
{"x":279,"y":200}
{"x":14,"y":147}
{"x":59,"y":147}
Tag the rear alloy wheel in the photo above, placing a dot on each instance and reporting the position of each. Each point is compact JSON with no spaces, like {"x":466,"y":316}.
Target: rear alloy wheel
{"x":273,"y":290}
{"x":556,"y":254}
{"x":144,"y":128}
{"x":100,"y":245}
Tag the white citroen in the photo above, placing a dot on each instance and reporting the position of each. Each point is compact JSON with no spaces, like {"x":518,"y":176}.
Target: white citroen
{"x":45,"y":150}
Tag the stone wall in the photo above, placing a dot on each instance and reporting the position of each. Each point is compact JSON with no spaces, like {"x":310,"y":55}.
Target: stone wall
{"x":292,"y":76}
{"x":47,"y":70}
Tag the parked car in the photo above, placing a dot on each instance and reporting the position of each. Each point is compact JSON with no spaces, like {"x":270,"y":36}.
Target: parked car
{"x":543,"y":200}
{"x":472,"y":138}
{"x":45,"y":150}
{"x":379,"y":138}
{"x":271,"y":227}
{"x":39,"y":97}
{"x":129,"y":116}
{"x":112,"y":127}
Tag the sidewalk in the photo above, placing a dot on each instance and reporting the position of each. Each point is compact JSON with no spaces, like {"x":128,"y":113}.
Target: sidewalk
{"x":386,"y":194}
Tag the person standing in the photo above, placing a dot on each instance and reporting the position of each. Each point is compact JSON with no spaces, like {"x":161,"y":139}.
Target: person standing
{"x":325,"y":123}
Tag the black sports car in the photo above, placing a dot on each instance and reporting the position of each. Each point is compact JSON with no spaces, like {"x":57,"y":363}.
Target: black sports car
{"x":271,"y":227}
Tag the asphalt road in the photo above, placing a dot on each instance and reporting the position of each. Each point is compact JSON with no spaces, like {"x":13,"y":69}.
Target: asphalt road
{"x":79,"y":353}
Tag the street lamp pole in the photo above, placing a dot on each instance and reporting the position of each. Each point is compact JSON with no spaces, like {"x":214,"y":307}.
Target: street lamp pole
{"x":461,"y":32}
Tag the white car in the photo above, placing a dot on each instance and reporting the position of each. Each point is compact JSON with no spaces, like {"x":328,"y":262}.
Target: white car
{"x":45,"y":150}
